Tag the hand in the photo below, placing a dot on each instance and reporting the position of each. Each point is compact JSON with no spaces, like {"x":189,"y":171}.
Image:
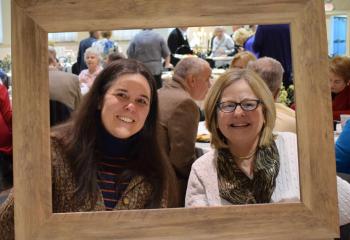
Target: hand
{"x":170,"y":66}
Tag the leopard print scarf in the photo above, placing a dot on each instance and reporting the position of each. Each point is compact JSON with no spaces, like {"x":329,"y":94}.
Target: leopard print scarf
{"x":238,"y":188}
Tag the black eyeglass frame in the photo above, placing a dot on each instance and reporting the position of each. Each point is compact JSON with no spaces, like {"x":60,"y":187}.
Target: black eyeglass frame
{"x":220,"y":105}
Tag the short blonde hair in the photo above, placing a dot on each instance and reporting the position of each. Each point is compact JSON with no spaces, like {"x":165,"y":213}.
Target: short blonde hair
{"x":241,"y":35}
{"x":244,"y":56}
{"x":259,"y":88}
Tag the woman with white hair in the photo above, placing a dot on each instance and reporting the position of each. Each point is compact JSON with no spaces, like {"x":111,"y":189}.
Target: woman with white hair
{"x":92,"y":59}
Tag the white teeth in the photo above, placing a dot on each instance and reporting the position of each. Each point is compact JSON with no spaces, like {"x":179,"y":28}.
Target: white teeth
{"x":239,"y":125}
{"x":126,"y":119}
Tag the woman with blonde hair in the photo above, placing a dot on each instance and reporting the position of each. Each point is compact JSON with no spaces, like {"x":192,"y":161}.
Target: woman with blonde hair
{"x":241,"y":59}
{"x":249,"y":164}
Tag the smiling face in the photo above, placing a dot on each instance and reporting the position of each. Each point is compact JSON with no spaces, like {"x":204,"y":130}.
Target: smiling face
{"x":126,"y":105}
{"x":336,"y":82}
{"x":240,"y":126}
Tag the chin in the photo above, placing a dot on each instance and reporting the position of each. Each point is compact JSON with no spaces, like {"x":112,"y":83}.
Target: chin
{"x":122,"y":135}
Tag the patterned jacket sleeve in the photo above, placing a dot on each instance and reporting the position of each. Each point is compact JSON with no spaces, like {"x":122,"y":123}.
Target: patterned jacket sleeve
{"x":7,"y":231}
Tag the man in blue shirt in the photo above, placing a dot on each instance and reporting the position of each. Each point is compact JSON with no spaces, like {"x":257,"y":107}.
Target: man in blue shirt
{"x":342,"y":150}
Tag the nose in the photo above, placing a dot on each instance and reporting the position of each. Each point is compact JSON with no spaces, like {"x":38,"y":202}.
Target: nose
{"x":130,"y":107}
{"x":239,"y":111}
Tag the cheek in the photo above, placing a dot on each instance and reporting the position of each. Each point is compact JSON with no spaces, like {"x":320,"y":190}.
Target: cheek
{"x":143,"y":114}
{"x":259,"y":119}
{"x":222,"y":120}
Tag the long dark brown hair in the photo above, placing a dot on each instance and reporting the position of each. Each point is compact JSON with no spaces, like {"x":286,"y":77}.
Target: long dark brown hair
{"x":79,"y":138}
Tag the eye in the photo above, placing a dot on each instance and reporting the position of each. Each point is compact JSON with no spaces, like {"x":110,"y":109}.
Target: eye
{"x":229,"y":105}
{"x":122,"y":95}
{"x":248,"y":104}
{"x":142,"y":101}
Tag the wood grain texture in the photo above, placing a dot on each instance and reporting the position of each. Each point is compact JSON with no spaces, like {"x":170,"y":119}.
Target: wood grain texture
{"x":56,"y":16}
{"x":32,"y":169}
{"x":314,"y":114}
{"x":314,"y":218}
{"x":278,"y":221}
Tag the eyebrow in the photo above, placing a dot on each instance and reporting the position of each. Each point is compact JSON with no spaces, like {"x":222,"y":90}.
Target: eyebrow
{"x":124,"y":90}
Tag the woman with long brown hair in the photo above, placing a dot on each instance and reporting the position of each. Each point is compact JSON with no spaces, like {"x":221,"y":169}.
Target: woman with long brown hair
{"x":106,"y":156}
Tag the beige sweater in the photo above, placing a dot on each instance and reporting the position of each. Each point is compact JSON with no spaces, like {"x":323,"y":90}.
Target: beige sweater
{"x":203,"y":190}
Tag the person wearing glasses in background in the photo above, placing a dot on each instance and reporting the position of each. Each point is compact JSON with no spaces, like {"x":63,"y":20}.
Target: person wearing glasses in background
{"x":249,"y":163}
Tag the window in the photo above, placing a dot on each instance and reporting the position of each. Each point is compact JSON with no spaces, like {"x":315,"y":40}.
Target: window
{"x":63,"y":37}
{"x":125,"y":35}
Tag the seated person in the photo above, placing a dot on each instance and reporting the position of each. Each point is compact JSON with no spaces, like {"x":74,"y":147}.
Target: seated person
{"x":179,"y":115}
{"x":271,"y":71}
{"x":222,"y":43}
{"x":106,"y":157}
{"x":339,"y":69}
{"x":5,"y":140}
{"x":241,"y":59}
{"x":249,"y":164}
{"x":342,"y":150}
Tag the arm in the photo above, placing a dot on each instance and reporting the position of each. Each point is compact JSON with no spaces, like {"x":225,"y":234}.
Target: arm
{"x":172,"y":42}
{"x":77,"y":93}
{"x":167,"y":62}
{"x":258,"y":41}
{"x":5,"y":106}
{"x":131,"y":50}
{"x":287,"y":182}
{"x":195,"y":194}
{"x":7,"y":231}
{"x":230,"y":45}
{"x":182,"y":131}
{"x":336,"y":114}
{"x":343,"y":188}
{"x":342,"y":150}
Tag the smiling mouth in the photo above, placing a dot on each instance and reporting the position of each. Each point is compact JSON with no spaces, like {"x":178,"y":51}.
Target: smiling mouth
{"x":125,"y":119}
{"x":239,"y":125}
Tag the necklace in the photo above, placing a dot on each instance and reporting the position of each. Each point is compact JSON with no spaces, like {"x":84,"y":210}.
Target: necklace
{"x":245,"y":157}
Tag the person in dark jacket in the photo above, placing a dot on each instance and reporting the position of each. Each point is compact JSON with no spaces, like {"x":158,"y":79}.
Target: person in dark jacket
{"x":178,"y":44}
{"x":274,"y":41}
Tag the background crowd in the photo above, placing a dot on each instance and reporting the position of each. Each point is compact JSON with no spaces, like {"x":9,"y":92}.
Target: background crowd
{"x":123,"y":137}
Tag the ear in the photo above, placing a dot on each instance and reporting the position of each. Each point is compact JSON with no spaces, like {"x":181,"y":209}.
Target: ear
{"x":277,"y":94}
{"x":191,"y":81}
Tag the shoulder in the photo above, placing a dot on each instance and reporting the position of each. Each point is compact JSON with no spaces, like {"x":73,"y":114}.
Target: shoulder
{"x":206,"y":163}
{"x":285,"y":138}
{"x":175,"y":96}
{"x":59,"y":160}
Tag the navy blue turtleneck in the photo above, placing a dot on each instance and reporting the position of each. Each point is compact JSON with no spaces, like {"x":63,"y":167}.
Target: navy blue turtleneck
{"x":115,"y":154}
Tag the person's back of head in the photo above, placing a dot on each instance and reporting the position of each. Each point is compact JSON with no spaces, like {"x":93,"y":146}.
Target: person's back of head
{"x":241,"y":59}
{"x":106,"y":34}
{"x":195,"y":74}
{"x":271,"y":71}
{"x":95,"y":34}
{"x":113,"y":56}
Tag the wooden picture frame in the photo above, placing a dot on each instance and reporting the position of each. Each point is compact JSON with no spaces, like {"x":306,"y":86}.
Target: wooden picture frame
{"x":316,"y":216}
